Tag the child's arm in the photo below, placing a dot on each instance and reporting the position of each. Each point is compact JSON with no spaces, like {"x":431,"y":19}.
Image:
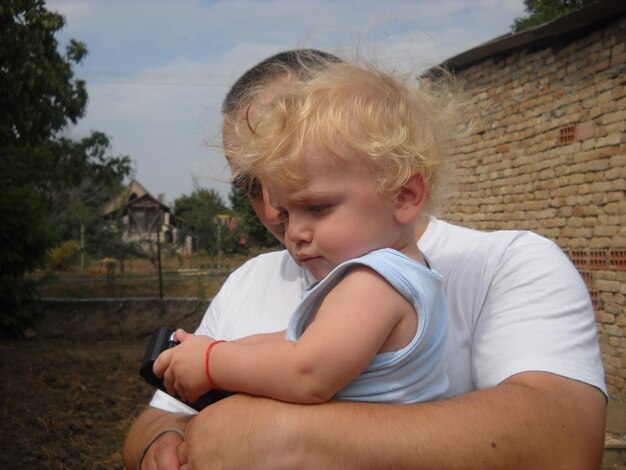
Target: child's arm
{"x":353,"y":323}
{"x":183,"y":367}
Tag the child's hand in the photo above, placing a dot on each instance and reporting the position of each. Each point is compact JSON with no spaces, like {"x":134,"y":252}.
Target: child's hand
{"x":182,"y":367}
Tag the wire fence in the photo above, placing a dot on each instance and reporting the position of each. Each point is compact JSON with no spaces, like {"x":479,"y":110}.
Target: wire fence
{"x":138,"y":278}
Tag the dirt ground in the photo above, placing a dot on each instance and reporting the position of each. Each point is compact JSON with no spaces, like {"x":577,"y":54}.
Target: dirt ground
{"x":68,"y":405}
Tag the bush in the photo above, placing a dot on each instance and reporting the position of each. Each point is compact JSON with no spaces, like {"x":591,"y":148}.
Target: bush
{"x":61,"y":257}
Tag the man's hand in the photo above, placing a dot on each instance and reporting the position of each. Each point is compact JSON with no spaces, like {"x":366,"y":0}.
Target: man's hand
{"x":163,"y":453}
{"x":241,"y":445}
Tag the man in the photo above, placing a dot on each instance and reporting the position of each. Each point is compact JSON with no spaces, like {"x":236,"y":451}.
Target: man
{"x":523,"y":356}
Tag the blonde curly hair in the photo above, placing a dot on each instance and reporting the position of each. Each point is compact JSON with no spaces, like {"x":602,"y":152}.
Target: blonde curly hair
{"x":391,"y":123}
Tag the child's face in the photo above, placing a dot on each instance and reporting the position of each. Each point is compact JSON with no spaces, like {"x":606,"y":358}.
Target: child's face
{"x":336,"y":215}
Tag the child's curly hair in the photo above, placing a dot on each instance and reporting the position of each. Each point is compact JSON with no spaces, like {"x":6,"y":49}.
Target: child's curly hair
{"x":393,"y":124}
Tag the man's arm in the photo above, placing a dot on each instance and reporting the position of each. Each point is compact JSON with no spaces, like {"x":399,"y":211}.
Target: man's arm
{"x":532,"y":420}
{"x":164,"y":449}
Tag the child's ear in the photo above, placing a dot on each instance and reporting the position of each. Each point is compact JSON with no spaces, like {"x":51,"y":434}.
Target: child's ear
{"x":411,"y":199}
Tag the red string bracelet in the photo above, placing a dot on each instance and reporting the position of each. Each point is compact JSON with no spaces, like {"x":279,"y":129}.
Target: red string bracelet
{"x":206,"y":364}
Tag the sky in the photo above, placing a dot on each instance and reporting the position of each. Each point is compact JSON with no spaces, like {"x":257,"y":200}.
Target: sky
{"x":158,"y":70}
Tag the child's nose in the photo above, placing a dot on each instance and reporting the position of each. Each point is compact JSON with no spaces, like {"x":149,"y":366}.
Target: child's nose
{"x":297,"y":230}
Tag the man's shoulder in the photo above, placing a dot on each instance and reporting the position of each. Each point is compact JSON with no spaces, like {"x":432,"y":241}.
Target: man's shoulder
{"x":453,"y":248}
{"x":270,"y":258}
{"x":444,"y":235}
{"x":272,"y":265}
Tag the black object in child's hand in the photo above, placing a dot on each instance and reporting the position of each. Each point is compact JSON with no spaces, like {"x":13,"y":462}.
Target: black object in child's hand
{"x":163,"y":339}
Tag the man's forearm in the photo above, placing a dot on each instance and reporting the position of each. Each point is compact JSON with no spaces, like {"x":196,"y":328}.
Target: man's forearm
{"x":525,"y":423}
{"x":534,"y":420}
{"x":147,"y":425}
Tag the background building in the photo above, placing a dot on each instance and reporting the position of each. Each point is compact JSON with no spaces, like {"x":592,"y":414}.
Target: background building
{"x":142,"y":218}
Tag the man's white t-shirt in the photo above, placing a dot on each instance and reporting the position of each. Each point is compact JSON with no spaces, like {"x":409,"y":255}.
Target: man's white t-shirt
{"x":515,"y":304}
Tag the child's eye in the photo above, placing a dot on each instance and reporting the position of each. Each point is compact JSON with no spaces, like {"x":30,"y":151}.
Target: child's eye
{"x":319,"y":208}
{"x":284,"y":215}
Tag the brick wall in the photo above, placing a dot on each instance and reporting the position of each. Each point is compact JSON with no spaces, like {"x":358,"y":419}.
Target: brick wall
{"x":548,"y":154}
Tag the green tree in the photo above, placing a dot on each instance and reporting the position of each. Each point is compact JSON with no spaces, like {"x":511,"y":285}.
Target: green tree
{"x":257,"y":234}
{"x":39,"y":98}
{"x":198,"y":214}
{"x":86,"y":178}
{"x":543,"y":11}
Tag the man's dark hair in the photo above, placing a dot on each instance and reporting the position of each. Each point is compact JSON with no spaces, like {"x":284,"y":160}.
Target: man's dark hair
{"x":295,"y":60}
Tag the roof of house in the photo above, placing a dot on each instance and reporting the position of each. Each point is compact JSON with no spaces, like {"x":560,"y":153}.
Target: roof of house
{"x":562,"y":29}
{"x":134,"y":190}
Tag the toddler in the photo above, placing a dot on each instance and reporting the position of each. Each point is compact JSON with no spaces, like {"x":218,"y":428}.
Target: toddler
{"x":352,"y":158}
